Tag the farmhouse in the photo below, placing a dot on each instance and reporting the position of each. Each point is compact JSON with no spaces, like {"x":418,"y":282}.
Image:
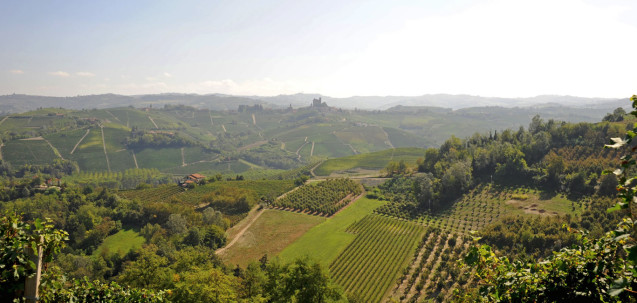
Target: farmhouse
{"x":192,"y":179}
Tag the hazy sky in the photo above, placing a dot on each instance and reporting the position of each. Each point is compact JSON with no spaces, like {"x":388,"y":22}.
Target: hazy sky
{"x":339,"y":48}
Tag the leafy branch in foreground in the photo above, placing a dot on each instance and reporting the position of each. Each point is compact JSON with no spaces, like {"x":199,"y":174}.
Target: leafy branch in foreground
{"x":601,"y":270}
{"x":17,"y":240}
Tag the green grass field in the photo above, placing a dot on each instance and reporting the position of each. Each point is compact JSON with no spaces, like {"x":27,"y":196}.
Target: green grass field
{"x":326,"y":241}
{"x":272,"y":232}
{"x":372,"y":161}
{"x":122,"y":242}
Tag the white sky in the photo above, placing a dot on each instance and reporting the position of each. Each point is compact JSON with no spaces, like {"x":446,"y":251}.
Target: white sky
{"x":338,"y":48}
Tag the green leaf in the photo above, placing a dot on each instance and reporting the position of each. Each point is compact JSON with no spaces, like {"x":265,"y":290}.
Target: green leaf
{"x":618,"y":286}
{"x":616,"y":207}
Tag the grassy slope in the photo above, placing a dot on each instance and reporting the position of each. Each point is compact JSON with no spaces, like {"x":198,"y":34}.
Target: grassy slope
{"x":271,"y":233}
{"x":326,"y":241}
{"x":122,"y":242}
{"x":375,"y":160}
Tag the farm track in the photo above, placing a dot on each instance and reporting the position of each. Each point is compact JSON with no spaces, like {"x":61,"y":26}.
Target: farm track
{"x":114,"y":117}
{"x":388,"y":142}
{"x":312,"y":150}
{"x":151,"y":120}
{"x":224,"y":128}
{"x":253,"y":145}
{"x":55,"y":150}
{"x":210,"y":115}
{"x":5,"y":118}
{"x":134,"y":159}
{"x":80,"y":141}
{"x":350,"y":203}
{"x":250,"y":222}
{"x":108,"y":163}
{"x":314,"y":167}
{"x":240,"y":233}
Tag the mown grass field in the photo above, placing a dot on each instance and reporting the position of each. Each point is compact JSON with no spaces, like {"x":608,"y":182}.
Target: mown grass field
{"x":273,"y":231}
{"x":326,"y":241}
{"x":371,"y":161}
{"x":122,"y":242}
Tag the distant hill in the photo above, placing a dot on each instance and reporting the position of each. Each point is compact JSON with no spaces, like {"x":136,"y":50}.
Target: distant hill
{"x":22,"y":103}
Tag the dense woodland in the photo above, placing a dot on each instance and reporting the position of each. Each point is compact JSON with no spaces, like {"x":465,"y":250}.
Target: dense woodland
{"x":176,"y":230}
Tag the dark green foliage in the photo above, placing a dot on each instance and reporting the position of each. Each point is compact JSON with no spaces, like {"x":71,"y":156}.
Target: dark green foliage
{"x":534,"y":237}
{"x":85,"y":291}
{"x":601,"y":270}
{"x":19,"y":239}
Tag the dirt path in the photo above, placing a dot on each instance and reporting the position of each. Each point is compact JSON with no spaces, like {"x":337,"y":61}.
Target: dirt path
{"x":5,"y":118}
{"x":253,"y":145}
{"x":78,"y":142}
{"x":350,"y":202}
{"x":210,"y":114}
{"x":55,"y":150}
{"x":113,"y":116}
{"x":224,"y":128}
{"x":183,"y":159}
{"x":388,"y":142}
{"x":240,"y":233}
{"x":314,"y":167}
{"x":254,"y":120}
{"x":135,"y":159}
{"x":151,"y":120}
{"x":1,"y":145}
{"x":312,"y":150}
{"x":108,"y":163}
{"x":300,"y":148}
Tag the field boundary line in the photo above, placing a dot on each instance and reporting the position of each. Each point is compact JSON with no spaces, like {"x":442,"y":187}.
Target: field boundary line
{"x":151,"y":120}
{"x":135,"y":159}
{"x":55,"y":150}
{"x":80,"y":141}
{"x":388,"y":142}
{"x":108,"y":163}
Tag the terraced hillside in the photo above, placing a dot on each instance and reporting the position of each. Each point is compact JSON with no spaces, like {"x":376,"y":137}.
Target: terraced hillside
{"x":204,"y":141}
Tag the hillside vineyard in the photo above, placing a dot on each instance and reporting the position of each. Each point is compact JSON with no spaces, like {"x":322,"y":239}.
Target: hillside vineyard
{"x":173,"y":203}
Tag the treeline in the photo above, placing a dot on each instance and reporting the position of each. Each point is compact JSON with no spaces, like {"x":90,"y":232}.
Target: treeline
{"x":155,"y":139}
{"x":270,"y":155}
{"x":127,"y":179}
{"x":57,"y":169}
{"x":554,"y":156}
